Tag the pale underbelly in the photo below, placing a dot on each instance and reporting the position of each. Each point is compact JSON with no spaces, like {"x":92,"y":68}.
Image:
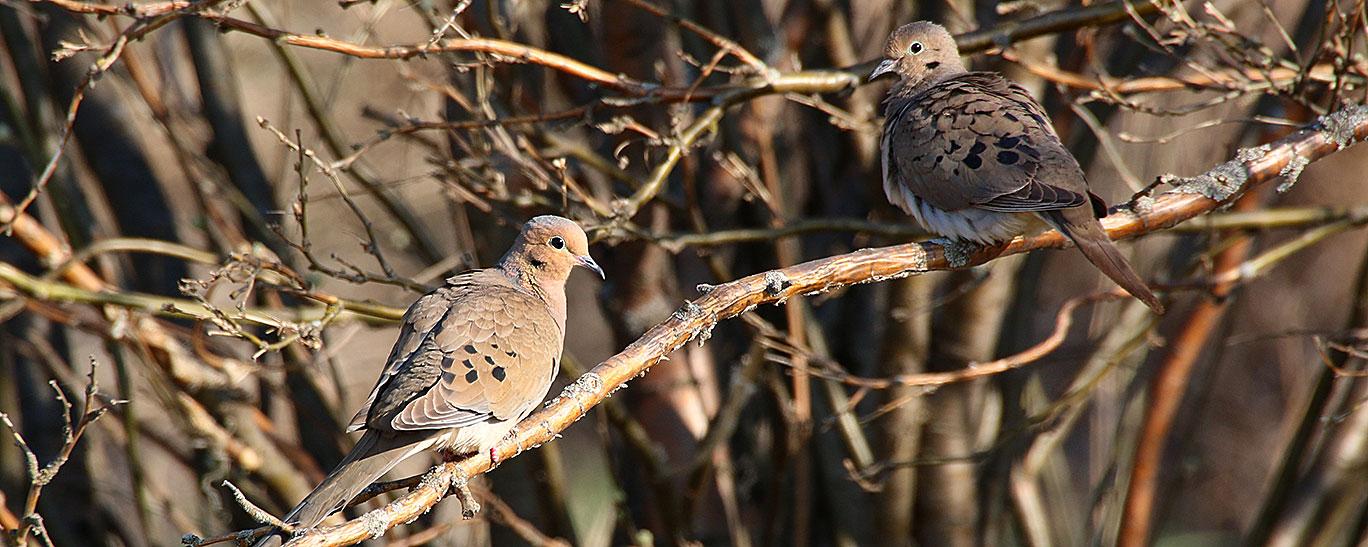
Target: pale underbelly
{"x":977,"y":225}
{"x":474,"y":438}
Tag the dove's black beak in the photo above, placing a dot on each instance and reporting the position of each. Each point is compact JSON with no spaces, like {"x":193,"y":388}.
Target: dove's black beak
{"x":886,"y":66}
{"x":588,"y":263}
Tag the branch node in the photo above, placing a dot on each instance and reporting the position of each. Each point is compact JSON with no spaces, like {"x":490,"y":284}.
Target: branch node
{"x":1341,"y":125}
{"x":687,"y":311}
{"x":258,"y":514}
{"x":460,"y":485}
{"x":776,"y":282}
{"x":1141,"y":205}
{"x":704,"y":333}
{"x":244,"y":536}
{"x":1220,"y":183}
{"x":957,"y":252}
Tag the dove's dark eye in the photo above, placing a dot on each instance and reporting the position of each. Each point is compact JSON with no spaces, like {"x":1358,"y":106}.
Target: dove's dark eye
{"x":915,"y":48}
{"x":556,"y":243}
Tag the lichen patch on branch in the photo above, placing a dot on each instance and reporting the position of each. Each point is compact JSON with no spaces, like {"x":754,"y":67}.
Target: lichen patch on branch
{"x":1341,"y":126}
{"x":1291,"y":172}
{"x":1220,"y":184}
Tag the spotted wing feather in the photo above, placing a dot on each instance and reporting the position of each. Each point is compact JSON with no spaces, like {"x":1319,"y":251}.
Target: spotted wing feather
{"x":477,"y":349}
{"x":977,"y":140}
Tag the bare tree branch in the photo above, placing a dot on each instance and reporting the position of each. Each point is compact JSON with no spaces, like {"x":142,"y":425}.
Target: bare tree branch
{"x":696,"y":319}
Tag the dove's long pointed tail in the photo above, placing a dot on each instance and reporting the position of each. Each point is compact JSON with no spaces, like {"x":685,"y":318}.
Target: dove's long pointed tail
{"x":1088,"y":235}
{"x":370,"y":459}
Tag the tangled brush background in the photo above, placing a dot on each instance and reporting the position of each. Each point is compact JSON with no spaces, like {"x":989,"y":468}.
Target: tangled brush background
{"x":226,"y":205}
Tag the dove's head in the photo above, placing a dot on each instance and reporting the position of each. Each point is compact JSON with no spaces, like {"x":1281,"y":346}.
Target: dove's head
{"x":548,"y":248}
{"x":920,"y":53}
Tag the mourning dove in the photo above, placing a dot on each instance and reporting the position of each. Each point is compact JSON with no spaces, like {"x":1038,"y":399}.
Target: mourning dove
{"x":973,"y":157}
{"x":472,"y":359}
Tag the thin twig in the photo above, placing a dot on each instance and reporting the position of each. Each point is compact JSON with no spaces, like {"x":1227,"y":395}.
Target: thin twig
{"x":39,"y":477}
{"x":102,"y":64}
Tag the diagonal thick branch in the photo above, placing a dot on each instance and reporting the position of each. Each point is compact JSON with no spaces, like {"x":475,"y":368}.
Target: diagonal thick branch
{"x":696,"y":319}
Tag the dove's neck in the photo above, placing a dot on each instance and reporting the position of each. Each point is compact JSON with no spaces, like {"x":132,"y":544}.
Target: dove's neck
{"x":553,"y":293}
{"x":537,"y":281}
{"x":911,"y":86}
